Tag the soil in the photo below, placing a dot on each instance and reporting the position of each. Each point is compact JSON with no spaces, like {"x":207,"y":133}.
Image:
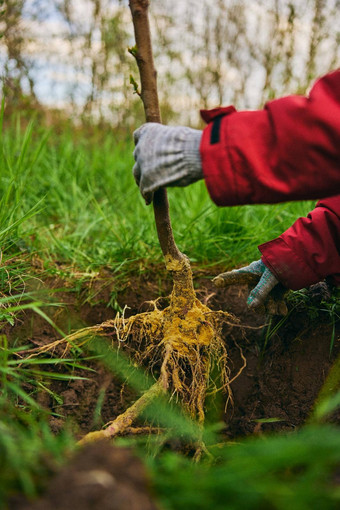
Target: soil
{"x":99,"y":477}
{"x":275,"y":392}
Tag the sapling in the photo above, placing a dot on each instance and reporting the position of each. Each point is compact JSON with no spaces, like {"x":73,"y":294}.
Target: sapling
{"x":184,"y":339}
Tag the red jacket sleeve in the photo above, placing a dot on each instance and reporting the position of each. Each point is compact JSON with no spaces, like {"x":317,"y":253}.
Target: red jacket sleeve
{"x":290,"y":150}
{"x":309,"y":250}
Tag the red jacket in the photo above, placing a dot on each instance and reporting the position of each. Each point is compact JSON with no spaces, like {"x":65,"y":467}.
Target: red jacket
{"x":290,"y":150}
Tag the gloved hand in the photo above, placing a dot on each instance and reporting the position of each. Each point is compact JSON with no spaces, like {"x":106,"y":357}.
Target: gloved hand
{"x":166,"y":156}
{"x":259,"y":275}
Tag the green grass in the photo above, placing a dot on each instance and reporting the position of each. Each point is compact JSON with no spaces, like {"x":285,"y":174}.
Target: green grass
{"x":29,"y":451}
{"x":295,"y":471}
{"x":83,"y":208}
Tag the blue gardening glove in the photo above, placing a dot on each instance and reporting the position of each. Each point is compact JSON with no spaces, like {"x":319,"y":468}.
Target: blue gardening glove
{"x":166,"y":156}
{"x":259,"y":275}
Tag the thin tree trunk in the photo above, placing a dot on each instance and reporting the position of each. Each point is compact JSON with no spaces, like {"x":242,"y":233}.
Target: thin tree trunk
{"x":143,"y":53}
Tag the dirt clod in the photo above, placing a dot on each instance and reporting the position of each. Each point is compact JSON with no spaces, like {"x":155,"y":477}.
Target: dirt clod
{"x":99,"y":477}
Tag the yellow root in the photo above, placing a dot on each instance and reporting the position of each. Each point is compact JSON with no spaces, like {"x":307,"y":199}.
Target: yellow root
{"x":125,"y":420}
{"x":182,"y":343}
{"x":184,"y":349}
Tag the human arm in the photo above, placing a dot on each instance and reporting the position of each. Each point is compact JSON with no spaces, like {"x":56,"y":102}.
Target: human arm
{"x":290,"y":150}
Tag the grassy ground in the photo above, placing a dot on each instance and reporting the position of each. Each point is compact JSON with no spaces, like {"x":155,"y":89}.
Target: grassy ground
{"x":86,"y":209}
{"x":69,"y":203}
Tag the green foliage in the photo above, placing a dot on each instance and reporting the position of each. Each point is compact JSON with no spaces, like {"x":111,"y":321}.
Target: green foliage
{"x":296,"y":471}
{"x":134,"y":85}
{"x":29,"y":451}
{"x":326,"y":310}
{"x":133,"y":50}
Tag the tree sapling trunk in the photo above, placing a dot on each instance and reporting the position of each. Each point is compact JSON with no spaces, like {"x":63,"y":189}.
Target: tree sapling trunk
{"x":184,"y":339}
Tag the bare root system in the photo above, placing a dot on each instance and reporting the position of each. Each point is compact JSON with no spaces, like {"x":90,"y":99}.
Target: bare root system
{"x":181,"y":345}
{"x":183,"y":349}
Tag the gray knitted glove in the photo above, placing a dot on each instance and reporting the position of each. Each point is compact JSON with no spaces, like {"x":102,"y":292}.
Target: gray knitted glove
{"x":166,"y":156}
{"x":257,"y":274}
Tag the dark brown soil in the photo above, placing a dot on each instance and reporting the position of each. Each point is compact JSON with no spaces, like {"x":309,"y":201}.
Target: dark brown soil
{"x":99,"y":477}
{"x":284,"y":374}
{"x":282,"y":379}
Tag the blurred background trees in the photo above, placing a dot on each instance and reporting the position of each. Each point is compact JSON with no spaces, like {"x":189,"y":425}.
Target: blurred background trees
{"x":16,"y":66}
{"x":71,"y":55}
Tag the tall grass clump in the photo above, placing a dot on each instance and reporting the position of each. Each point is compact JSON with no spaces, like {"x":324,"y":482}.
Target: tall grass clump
{"x":296,"y":471}
{"x":89,"y":214}
{"x":29,"y":451}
